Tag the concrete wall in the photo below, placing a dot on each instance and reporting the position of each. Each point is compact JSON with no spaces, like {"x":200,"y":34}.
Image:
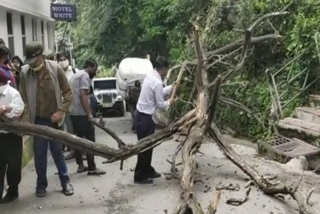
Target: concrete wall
{"x":27,"y":10}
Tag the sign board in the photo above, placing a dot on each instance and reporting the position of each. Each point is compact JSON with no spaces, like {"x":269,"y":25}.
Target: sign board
{"x":64,"y":12}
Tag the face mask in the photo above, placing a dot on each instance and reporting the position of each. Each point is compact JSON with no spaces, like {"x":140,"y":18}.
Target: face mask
{"x":38,"y":68}
{"x":64,"y":64}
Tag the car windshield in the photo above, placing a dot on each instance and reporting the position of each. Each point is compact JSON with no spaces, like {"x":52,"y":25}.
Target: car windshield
{"x":104,"y":84}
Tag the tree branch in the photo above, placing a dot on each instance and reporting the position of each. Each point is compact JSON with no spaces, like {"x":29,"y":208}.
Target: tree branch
{"x":199,"y":54}
{"x":263,"y":184}
{"x":246,"y":42}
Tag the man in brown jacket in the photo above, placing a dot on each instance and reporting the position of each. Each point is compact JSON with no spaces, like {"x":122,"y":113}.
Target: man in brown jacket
{"x":47,"y":96}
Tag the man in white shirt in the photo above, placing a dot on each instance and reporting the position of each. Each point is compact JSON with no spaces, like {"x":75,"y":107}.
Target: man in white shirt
{"x":65,"y":65}
{"x":11,"y":106}
{"x":69,"y":71}
{"x":151,"y":98}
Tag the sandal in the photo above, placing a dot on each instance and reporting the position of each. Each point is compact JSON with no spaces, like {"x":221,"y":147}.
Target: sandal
{"x":82,"y":169}
{"x":96,"y":172}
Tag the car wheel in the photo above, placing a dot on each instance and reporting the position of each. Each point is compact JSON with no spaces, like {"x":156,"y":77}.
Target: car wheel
{"x":121,"y":110}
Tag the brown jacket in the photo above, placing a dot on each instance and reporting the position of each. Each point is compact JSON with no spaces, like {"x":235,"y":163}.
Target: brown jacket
{"x":28,"y":90}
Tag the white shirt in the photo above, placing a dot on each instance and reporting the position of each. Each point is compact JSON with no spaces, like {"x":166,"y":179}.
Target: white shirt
{"x":69,"y":73}
{"x":152,"y":94}
{"x":10,"y":96}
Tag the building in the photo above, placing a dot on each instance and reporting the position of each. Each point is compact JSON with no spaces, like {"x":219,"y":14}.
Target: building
{"x":23,"y":21}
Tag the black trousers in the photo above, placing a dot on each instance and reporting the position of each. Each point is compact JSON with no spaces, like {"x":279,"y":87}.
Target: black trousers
{"x":144,"y":127}
{"x":69,"y":127}
{"x":83,"y":128}
{"x":10,"y":162}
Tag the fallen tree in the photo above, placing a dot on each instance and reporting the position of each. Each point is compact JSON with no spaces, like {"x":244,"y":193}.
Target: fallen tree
{"x":195,"y":124}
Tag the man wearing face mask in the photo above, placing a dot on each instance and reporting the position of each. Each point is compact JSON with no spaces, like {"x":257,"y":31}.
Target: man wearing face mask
{"x":47,"y":96}
{"x":81,"y":115}
{"x":64,"y":63}
{"x":151,"y":98}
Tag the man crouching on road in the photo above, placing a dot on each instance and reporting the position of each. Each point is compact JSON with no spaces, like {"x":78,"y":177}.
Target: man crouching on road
{"x":11,"y":106}
{"x":43,"y":84}
{"x":81,"y":115}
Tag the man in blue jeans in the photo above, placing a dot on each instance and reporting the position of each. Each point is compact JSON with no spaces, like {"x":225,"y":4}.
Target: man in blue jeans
{"x":47,"y":95}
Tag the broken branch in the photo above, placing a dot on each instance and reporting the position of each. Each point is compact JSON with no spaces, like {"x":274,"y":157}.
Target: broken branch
{"x":239,"y":201}
{"x":263,"y":184}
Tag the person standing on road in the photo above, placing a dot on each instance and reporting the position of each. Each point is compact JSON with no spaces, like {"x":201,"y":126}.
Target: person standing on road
{"x":47,"y":95}
{"x":133,"y":96}
{"x":81,"y":115}
{"x":11,"y":106}
{"x":151,"y":98}
{"x":64,"y":63}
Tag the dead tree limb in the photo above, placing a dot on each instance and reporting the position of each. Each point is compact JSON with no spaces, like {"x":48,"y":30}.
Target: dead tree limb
{"x":225,"y":49}
{"x":212,"y":209}
{"x":178,"y":81}
{"x":121,"y":144}
{"x":263,"y":184}
{"x":239,"y":201}
{"x":201,"y":117}
{"x":246,"y":43}
{"x":111,"y":154}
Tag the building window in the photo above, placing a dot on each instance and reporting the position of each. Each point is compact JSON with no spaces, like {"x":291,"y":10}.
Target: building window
{"x":23,"y":32}
{"x":10,"y":34}
{"x":42,"y":33}
{"x":34,"y":30}
{"x":9,"y":24}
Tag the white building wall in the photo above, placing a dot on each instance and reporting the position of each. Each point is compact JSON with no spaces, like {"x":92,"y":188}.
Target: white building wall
{"x":37,"y":8}
{"x":3,"y":25}
{"x":30,"y":9}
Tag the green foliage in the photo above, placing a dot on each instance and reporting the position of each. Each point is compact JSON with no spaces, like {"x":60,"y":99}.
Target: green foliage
{"x":297,"y":31}
{"x":105,"y":72}
{"x":111,"y":30}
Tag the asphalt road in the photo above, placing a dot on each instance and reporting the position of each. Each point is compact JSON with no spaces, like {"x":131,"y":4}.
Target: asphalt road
{"x":115,"y":192}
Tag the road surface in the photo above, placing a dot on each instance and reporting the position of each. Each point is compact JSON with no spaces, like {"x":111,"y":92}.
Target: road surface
{"x":115,"y":193}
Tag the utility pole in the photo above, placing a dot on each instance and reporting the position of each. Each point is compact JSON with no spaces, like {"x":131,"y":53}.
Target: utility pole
{"x":57,"y":44}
